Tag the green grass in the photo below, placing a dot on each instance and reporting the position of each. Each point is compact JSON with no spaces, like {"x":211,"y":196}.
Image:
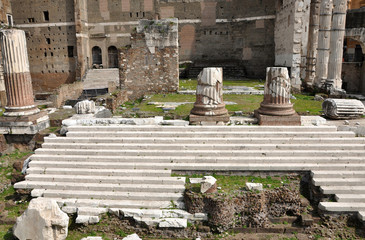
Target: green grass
{"x":192,"y":83}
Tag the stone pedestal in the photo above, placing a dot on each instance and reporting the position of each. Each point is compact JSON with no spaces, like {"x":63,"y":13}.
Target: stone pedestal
{"x":21,"y":116}
{"x":209,"y":107}
{"x":276,"y":109}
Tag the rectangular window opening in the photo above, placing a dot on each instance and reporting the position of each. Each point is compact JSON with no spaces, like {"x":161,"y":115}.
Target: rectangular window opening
{"x":70,"y":50}
{"x":48,"y":40}
{"x":30,"y":20}
{"x":46,"y":15}
{"x":10,"y":19}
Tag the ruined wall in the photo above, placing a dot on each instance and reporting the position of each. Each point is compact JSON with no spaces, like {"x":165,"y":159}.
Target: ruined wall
{"x":151,"y":64}
{"x":50,"y":28}
{"x":351,"y":77}
{"x":292,"y":20}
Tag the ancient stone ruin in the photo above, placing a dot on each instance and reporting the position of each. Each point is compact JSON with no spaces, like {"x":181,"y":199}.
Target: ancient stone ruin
{"x":343,"y":108}
{"x":151,"y":63}
{"x":209,"y":106}
{"x":276,"y":109}
{"x":21,"y":115}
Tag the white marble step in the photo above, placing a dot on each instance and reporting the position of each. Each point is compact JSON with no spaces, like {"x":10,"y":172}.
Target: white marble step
{"x":350,"y":198}
{"x":336,"y":174}
{"x":199,"y":140}
{"x":103,"y":179}
{"x":108,"y":187}
{"x":338,"y":181}
{"x":109,"y":195}
{"x":343,"y":190}
{"x":197,"y":159}
{"x":342,"y":206}
{"x":99,"y":172}
{"x":193,"y":129}
{"x":112,"y":168}
{"x":216,"y":147}
{"x":109,"y":203}
{"x":210,"y":134}
{"x":226,"y":153}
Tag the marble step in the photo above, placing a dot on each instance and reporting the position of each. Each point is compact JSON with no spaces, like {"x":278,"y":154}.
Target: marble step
{"x":117,"y":169}
{"x":99,"y":172}
{"x":193,"y":129}
{"x":199,"y":140}
{"x":103,"y":179}
{"x":212,"y":134}
{"x":109,"y":195}
{"x":216,"y":147}
{"x":226,"y":153}
{"x":101,"y":187}
{"x":343,"y":190}
{"x":350,"y":198}
{"x":196,"y":159}
{"x":108,"y":203}
{"x":336,"y":174}
{"x":338,"y":181}
{"x":342,"y":206}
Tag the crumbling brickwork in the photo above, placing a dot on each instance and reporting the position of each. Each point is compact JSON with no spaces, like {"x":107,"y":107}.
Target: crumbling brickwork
{"x":151,"y":64}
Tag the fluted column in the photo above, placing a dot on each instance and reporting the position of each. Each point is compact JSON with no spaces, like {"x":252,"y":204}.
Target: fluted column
{"x":336,"y":45}
{"x":312,"y":42}
{"x":277,"y":93}
{"x":323,"y":51}
{"x":18,"y":83}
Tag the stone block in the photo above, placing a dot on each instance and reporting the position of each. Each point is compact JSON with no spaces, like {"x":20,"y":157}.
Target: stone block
{"x":173,"y":223}
{"x":208,"y":185}
{"x":254,"y":186}
{"x":133,"y":236}
{"x":43,"y":220}
{"x":266,"y":120}
{"x":85,"y":107}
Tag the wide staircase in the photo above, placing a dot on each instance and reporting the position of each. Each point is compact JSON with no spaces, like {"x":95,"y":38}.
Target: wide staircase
{"x":129,"y":167}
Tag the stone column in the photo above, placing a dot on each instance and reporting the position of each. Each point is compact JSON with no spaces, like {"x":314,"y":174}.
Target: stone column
{"x":333,"y":80}
{"x":276,"y":109}
{"x":323,"y":51}
{"x":209,"y":105}
{"x":312,"y":42}
{"x":18,"y":83}
{"x":21,"y":115}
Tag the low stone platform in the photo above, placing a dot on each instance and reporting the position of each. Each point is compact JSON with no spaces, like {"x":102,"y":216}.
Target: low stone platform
{"x":129,"y":167}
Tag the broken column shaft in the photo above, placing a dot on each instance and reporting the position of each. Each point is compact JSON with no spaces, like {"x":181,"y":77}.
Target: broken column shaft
{"x":336,"y":45}
{"x":323,"y":50}
{"x":312,"y":42}
{"x":18,"y":82}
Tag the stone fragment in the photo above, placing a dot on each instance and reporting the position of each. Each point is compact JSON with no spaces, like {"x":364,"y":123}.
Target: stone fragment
{"x":133,"y":236}
{"x":85,"y":107}
{"x":254,"y":186}
{"x":92,"y":238}
{"x":43,"y":220}
{"x":342,"y":108}
{"x":63,"y":131}
{"x":195,"y":180}
{"x":52,"y":135}
{"x":318,"y":98}
{"x":173,"y":223}
{"x":209,"y":105}
{"x":105,"y":113}
{"x":306,"y":220}
{"x":208,"y":185}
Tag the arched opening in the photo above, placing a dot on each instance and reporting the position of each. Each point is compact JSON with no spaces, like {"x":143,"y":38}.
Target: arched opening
{"x":96,"y":53}
{"x":112,"y":57}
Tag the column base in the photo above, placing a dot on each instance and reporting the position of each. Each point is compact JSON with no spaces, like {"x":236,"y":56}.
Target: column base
{"x":268,"y":120}
{"x":30,"y":124}
{"x":208,"y":120}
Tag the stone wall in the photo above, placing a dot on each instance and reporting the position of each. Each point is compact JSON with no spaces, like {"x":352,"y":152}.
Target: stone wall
{"x":291,"y":27}
{"x":151,"y":64}
{"x":50,"y":28}
{"x":66,"y":92}
{"x":351,"y":77}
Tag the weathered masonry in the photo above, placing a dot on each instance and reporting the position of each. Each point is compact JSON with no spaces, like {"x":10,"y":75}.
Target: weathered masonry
{"x":68,"y":37}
